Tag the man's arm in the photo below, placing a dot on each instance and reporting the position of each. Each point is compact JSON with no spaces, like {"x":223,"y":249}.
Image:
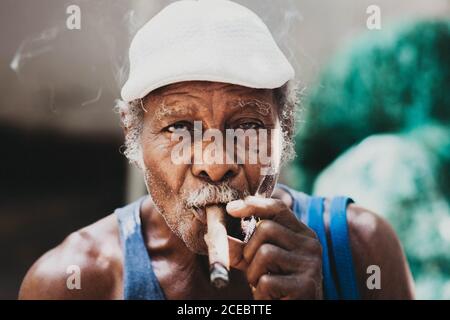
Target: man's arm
{"x":48,"y":277}
{"x":374,"y":242}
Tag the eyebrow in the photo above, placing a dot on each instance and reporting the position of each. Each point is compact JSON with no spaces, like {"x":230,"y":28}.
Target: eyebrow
{"x":262,"y":107}
{"x":179,"y":108}
{"x":173,"y":109}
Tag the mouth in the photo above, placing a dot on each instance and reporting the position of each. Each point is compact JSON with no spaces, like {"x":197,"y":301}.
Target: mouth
{"x":232,"y":224}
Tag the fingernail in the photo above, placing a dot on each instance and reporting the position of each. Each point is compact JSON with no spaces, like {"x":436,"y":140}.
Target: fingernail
{"x":235,"y":205}
{"x":252,"y":200}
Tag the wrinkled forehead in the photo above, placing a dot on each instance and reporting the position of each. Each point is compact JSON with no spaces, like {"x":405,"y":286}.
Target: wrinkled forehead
{"x":187,"y":96}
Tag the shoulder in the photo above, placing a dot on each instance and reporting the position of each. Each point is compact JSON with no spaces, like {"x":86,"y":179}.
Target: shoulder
{"x":374,"y":244}
{"x":86,"y":265}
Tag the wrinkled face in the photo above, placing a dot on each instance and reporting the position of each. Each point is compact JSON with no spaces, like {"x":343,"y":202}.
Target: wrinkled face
{"x":182,"y":190}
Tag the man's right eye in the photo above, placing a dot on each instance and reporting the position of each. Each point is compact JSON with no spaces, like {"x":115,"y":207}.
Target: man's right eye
{"x":178,"y":126}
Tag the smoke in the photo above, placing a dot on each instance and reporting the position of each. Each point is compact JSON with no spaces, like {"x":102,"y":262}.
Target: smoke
{"x":283,"y":19}
{"x":32,"y":47}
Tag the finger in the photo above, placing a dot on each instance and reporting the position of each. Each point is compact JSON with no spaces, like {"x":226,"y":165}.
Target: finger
{"x":286,"y":288}
{"x":265,"y":208}
{"x":274,"y":287}
{"x":271,"y":259}
{"x":236,"y":249}
{"x":271,"y":232}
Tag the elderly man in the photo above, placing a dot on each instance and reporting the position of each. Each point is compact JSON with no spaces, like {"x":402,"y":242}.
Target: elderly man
{"x":214,"y":62}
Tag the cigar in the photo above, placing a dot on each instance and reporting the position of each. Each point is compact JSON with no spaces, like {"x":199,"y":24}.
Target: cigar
{"x":217,"y":241}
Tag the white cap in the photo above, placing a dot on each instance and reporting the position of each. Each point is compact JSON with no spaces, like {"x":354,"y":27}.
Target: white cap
{"x":210,"y":40}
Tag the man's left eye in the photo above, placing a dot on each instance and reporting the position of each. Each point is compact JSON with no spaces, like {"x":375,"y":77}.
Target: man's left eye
{"x":250,"y":125}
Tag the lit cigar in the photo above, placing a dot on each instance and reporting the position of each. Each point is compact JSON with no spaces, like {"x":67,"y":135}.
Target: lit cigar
{"x":217,"y":241}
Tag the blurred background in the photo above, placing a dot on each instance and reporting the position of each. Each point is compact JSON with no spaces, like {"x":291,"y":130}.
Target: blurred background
{"x":373,"y":122}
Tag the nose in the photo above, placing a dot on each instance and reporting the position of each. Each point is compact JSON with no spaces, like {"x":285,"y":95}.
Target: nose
{"x":215,"y":172}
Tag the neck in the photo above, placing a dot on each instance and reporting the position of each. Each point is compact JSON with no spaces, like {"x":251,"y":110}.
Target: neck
{"x":159,"y":238}
{"x":176,"y":267}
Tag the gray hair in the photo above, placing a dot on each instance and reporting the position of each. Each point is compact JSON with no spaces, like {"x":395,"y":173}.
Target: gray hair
{"x":132,"y":114}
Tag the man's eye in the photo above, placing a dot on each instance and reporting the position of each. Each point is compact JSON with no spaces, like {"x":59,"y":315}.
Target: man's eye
{"x":178,"y":126}
{"x":250,"y":125}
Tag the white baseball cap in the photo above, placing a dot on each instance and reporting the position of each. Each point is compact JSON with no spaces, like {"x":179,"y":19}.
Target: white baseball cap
{"x":209,"y":40}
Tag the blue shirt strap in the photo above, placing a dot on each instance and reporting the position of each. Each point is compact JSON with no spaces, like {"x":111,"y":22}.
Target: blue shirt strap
{"x":316,"y":222}
{"x":139,"y":280}
{"x":341,"y":249}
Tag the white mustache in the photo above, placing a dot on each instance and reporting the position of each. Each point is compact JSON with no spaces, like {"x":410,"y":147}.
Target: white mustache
{"x":213,"y":194}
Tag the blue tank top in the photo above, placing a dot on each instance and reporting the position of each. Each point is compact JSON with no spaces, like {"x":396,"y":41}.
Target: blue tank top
{"x":141,"y":283}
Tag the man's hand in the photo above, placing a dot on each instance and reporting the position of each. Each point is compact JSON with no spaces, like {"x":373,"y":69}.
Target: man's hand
{"x":283,"y":258}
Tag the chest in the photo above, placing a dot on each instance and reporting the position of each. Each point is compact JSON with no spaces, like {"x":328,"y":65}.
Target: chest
{"x":196,"y":285}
